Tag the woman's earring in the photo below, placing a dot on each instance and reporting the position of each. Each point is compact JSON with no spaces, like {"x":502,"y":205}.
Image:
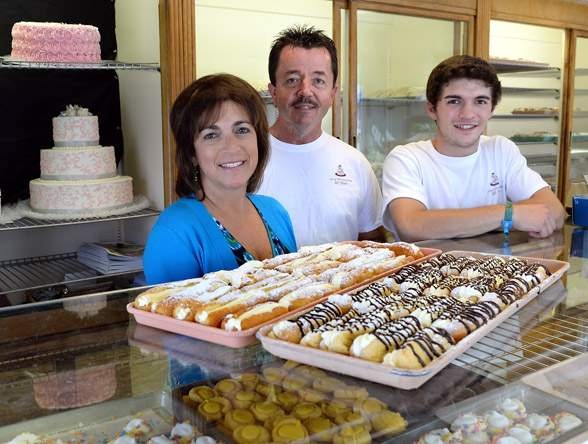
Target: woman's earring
{"x":196,"y":174}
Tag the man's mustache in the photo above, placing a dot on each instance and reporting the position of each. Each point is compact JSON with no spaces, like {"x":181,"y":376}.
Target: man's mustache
{"x":304,"y":101}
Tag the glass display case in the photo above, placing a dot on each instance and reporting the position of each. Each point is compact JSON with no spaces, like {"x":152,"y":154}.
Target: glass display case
{"x":578,"y":156}
{"x":395,"y":54}
{"x":529,"y":62}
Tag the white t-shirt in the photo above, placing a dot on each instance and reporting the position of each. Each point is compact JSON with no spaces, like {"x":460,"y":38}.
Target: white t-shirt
{"x":328,"y":188}
{"x":497,"y":171}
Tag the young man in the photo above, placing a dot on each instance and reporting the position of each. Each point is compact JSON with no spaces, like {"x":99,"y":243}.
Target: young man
{"x":327,"y":186}
{"x":463,"y":183}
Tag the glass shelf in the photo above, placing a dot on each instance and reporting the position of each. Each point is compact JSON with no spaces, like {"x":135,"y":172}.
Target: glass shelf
{"x":7,"y":62}
{"x":37,"y":272}
{"x":27,"y":222}
{"x":524,"y":68}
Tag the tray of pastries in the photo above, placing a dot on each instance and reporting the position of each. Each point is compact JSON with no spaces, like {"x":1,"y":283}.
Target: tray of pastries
{"x":513,"y":414}
{"x":290,"y":402}
{"x":143,"y":419}
{"x":228,"y":307}
{"x":567,"y":380}
{"x":403,"y":329}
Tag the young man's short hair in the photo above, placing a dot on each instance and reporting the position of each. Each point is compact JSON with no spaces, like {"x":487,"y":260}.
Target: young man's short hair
{"x":462,"y":67}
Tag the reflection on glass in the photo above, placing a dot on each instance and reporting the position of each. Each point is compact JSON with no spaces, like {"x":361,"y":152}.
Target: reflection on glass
{"x":578,"y":171}
{"x":395,"y":55}
{"x":529,"y":60}
{"x":248,"y":30}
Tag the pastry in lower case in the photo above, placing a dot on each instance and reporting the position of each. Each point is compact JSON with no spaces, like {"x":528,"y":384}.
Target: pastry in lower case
{"x":421,"y":350}
{"x":294,"y":330}
{"x":481,"y":437}
{"x":565,"y":421}
{"x":244,"y":399}
{"x":388,"y":423}
{"x":312,"y":395}
{"x":352,"y":435}
{"x":248,"y":380}
{"x":327,"y":384}
{"x":512,"y":408}
{"x":369,"y":406}
{"x":497,"y":422}
{"x":521,"y":433}
{"x":541,"y":426}
{"x":183,"y":432}
{"x":305,"y":410}
{"x":319,"y":429}
{"x":468,"y":423}
{"x":266,"y":409}
{"x":137,"y":427}
{"x":31,"y":438}
{"x":238,"y":417}
{"x":287,"y":430}
{"x":251,"y":434}
{"x":212,"y":410}
{"x":287,"y":400}
{"x":227,"y":387}
{"x":335,"y":408}
{"x":201,"y":393}
{"x":353,"y":419}
{"x":440,"y":436}
{"x":350,"y":393}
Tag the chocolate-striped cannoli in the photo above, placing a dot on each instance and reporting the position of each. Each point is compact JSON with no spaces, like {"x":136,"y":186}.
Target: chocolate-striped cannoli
{"x":421,"y":350}
{"x":472,"y":291}
{"x":428,"y":277}
{"x":468,"y":320}
{"x":456,"y":267}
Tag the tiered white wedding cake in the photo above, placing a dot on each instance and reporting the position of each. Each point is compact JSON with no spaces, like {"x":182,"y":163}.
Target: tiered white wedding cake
{"x":77,"y":174}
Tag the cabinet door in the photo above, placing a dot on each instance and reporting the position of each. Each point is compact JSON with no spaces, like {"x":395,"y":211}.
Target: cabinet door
{"x":529,"y":61}
{"x":395,"y":54}
{"x":578,"y":167}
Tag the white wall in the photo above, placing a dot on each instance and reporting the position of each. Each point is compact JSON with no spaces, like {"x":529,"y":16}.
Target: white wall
{"x":235,"y":36}
{"x":137,"y":32}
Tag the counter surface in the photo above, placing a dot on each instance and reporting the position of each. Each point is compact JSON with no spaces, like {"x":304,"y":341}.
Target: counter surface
{"x":83,"y":361}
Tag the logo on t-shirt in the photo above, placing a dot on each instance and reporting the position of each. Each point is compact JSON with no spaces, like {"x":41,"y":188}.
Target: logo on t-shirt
{"x":340,"y":177}
{"x":494,"y":184}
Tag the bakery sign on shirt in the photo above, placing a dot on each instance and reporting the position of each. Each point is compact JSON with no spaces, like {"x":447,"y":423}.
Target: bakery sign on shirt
{"x":494,"y":185}
{"x":339,"y":177}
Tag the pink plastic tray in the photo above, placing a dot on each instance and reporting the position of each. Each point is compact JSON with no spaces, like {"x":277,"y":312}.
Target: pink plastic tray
{"x":245,"y":337}
{"x":401,"y":378}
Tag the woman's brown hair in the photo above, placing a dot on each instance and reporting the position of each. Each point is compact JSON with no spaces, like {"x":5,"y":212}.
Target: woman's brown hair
{"x":197,"y":107}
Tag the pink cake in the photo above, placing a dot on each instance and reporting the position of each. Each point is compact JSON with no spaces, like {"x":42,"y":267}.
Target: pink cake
{"x":55,"y":42}
{"x":78,"y":175}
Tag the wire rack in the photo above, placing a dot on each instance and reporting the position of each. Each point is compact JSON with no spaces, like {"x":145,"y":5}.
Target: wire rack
{"x":27,"y":222}
{"x":7,"y":62}
{"x":509,"y":353}
{"x":37,"y":272}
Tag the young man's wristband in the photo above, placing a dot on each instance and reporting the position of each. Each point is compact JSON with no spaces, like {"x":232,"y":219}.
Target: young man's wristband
{"x":507,"y":221}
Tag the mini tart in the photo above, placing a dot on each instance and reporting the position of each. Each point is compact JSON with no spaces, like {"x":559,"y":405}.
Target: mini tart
{"x":320,"y":429}
{"x":274,"y":375}
{"x":351,"y":392}
{"x":244,"y":399}
{"x":227,"y":387}
{"x":288,"y":400}
{"x":294,"y":382}
{"x":352,"y":435}
{"x":201,"y":393}
{"x":238,"y":417}
{"x":327,"y":384}
{"x":312,"y":395}
{"x":248,"y":380}
{"x":369,"y":406}
{"x":223,"y":401}
{"x":251,"y":434}
{"x":308,"y":372}
{"x":269,"y":423}
{"x":335,"y":408}
{"x":265,"y":410}
{"x":289,"y":365}
{"x":286,"y":430}
{"x":264,"y":389}
{"x":388,"y":422}
{"x":353,"y":418}
{"x":306,"y":410}
{"x":211,"y":410}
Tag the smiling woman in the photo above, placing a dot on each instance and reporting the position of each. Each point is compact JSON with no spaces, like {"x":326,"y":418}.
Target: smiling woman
{"x":221,"y":134}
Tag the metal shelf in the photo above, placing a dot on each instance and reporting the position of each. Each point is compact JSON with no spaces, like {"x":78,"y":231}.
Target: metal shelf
{"x":532,"y":91}
{"x":37,"y":272}
{"x":522,"y":68}
{"x":525,"y":116}
{"x":27,"y":222}
{"x":7,"y":62}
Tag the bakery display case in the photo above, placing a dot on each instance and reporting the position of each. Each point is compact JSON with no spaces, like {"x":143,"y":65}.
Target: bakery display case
{"x":391,"y":79}
{"x":88,"y":371}
{"x":38,"y":259}
{"x":578,"y":153}
{"x":530,"y":71}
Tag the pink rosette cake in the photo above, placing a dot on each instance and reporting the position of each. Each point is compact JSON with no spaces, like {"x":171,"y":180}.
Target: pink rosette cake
{"x":55,"y":42}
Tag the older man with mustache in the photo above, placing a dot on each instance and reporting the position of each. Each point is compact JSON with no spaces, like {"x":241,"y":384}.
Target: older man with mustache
{"x":327,"y":186}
